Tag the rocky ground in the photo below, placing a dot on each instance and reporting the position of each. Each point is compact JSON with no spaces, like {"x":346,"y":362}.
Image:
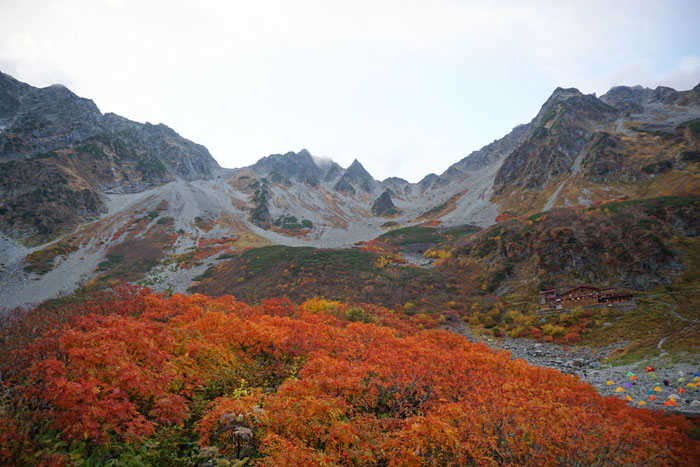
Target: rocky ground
{"x":608,"y":379}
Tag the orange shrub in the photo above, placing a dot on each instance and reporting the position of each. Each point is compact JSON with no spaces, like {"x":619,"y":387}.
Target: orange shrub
{"x":304,"y":385}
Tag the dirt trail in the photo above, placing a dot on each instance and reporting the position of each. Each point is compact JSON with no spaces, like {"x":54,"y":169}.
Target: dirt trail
{"x":672,"y":310}
{"x":660,"y":344}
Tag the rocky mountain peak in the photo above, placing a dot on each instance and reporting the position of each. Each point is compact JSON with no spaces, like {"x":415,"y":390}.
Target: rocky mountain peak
{"x":564,"y":93}
{"x":54,"y":114}
{"x":427,"y":181}
{"x":634,"y":99}
{"x":357,"y":170}
{"x":39,"y":120}
{"x":293,"y":165}
{"x":626,"y":98}
{"x":395,"y":181}
{"x":356,"y":166}
{"x":63,"y":155}
{"x":355,"y":177}
{"x":573,"y":101}
{"x":557,"y":137}
{"x":9,"y":84}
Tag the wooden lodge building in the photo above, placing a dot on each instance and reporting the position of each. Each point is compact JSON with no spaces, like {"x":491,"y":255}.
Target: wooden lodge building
{"x":582,"y":295}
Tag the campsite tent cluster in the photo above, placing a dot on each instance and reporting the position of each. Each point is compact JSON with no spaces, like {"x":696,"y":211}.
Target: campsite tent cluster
{"x":655,"y":390}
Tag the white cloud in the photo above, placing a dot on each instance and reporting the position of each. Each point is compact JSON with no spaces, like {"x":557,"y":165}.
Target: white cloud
{"x":321,"y":161}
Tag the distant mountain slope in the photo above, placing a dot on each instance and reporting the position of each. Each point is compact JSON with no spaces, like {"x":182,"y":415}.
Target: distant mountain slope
{"x":86,"y":196}
{"x":638,"y":99}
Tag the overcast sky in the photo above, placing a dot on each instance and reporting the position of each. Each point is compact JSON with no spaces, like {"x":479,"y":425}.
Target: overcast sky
{"x":406,"y":87}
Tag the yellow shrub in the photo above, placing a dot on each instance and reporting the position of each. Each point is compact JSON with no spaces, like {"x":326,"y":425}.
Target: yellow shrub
{"x":409,"y":308}
{"x":320,"y":305}
{"x":438,"y":255}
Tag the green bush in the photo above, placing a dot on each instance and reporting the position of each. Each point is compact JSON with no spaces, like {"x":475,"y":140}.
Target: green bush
{"x":409,"y":308}
{"x":357,"y":314}
{"x":289,"y":222}
{"x":408,"y":235}
{"x":261,"y":259}
{"x":109,"y":262}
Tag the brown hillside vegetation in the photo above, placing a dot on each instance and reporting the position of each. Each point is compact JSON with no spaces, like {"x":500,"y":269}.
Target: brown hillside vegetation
{"x":629,"y":242}
{"x":300,"y":273}
{"x":492,"y":277}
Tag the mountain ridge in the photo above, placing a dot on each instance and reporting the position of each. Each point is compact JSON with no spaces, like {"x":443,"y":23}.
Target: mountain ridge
{"x":99,"y":183}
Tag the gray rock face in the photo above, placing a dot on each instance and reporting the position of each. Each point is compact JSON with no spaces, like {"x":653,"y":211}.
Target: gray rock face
{"x":261,"y":212}
{"x":384,"y":206}
{"x":427,"y":181}
{"x":395,"y":181}
{"x":356,"y":177}
{"x":633,"y":99}
{"x":333,"y":172}
{"x":297,"y":166}
{"x":398,"y":186}
{"x":559,"y":134}
{"x":344,"y":186}
{"x":302,"y":167}
{"x":40,"y":120}
{"x":605,"y":159}
{"x":494,"y":151}
{"x":181,"y":156}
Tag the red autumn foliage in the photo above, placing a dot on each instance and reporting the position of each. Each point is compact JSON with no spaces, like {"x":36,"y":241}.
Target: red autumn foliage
{"x":210,"y":247}
{"x":376,"y":246}
{"x":311,"y":384}
{"x":502,"y":217}
{"x":431,"y":223}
